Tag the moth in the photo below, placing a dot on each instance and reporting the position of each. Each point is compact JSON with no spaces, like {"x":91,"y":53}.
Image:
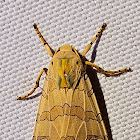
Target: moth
{"x":68,"y":108}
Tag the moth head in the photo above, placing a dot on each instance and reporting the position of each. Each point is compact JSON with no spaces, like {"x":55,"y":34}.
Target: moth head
{"x":66,"y":67}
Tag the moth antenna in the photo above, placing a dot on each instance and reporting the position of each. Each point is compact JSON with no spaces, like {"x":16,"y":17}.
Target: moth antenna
{"x":49,"y":50}
{"x":87,"y":48}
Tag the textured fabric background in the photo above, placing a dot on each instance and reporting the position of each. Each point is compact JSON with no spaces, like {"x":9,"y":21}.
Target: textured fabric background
{"x":72,"y":22}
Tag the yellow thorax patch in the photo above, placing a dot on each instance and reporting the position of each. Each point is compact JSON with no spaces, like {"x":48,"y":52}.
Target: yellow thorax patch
{"x":64,"y":69}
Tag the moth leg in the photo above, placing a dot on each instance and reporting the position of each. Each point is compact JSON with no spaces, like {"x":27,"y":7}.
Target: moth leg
{"x":87,"y":48}
{"x":108,"y":72}
{"x":47,"y":47}
{"x":36,"y":85}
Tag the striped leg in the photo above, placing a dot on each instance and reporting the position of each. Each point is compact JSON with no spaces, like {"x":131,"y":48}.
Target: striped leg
{"x":107,"y":72}
{"x":87,"y":48}
{"x":36,"y":85}
{"x":47,"y":47}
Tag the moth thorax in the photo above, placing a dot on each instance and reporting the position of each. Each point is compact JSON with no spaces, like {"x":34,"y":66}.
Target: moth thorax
{"x":64,"y":76}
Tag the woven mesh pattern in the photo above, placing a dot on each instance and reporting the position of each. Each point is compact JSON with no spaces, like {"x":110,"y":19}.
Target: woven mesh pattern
{"x":23,"y":56}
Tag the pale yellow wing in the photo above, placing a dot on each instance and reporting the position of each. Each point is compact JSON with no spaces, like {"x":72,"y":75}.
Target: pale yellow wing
{"x":69,"y":114}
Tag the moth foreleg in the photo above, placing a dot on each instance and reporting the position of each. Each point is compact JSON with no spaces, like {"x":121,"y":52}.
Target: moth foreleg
{"x":36,"y":85}
{"x":108,"y":71}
